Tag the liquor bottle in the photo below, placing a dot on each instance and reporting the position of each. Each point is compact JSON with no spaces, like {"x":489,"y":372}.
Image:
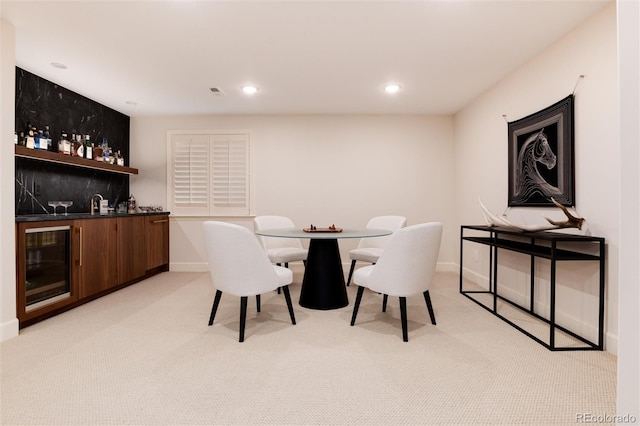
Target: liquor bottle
{"x":64,"y":146}
{"x":40,"y":140}
{"x":47,"y":136}
{"x":75,"y":146}
{"x":88,"y":148}
{"x":30,"y":138}
{"x":79,"y":146}
{"x":119,"y":159}
{"x":105,"y":150}
{"x":36,"y":139}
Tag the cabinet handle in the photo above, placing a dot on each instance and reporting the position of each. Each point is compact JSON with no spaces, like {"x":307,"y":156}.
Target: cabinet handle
{"x":81,"y":246}
{"x":160,"y":221}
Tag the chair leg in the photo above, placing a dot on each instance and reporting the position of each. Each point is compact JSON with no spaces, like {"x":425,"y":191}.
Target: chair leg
{"x":279,"y":264}
{"x":356,"y":305}
{"x":353,"y":265}
{"x":243,"y":316}
{"x":287,"y":296}
{"x":384,"y":302}
{"x":427,"y":299}
{"x":403,"y":318}
{"x":258,"y":302}
{"x":214,"y":308}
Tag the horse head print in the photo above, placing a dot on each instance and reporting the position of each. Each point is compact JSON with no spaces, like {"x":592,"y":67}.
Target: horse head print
{"x":528,"y":180}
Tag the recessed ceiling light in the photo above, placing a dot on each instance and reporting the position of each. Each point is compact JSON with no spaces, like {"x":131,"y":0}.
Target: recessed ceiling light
{"x":249,"y":90}
{"x":392,"y":88}
{"x":59,"y":65}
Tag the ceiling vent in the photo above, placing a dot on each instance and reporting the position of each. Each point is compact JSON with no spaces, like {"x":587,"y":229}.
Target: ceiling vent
{"x":217,"y":91}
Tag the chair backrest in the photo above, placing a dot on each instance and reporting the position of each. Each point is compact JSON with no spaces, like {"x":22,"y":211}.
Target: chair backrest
{"x":274,"y":222}
{"x":237,"y":263}
{"x":408,"y":262}
{"x":392,"y":223}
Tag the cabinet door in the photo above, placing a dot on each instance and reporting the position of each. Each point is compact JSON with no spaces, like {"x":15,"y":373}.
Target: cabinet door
{"x":157,"y":228}
{"x":97,"y":262}
{"x":132,"y":253}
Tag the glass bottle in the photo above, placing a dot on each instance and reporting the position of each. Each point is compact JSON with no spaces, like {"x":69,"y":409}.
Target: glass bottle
{"x":41,"y":140}
{"x":88,"y":148}
{"x":64,"y":146}
{"x":105,"y":150}
{"x":79,"y":146}
{"x":31,"y":137}
{"x":119,"y":159}
{"x":47,"y":136}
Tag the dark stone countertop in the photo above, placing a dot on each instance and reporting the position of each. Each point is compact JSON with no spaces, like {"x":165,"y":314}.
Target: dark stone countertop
{"x":72,"y":216}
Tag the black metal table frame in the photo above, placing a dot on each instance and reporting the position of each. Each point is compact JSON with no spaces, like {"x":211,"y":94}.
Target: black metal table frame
{"x":550,"y":252}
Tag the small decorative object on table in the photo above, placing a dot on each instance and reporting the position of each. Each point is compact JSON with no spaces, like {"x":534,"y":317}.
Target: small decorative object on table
{"x":313,"y":228}
{"x":501,"y":221}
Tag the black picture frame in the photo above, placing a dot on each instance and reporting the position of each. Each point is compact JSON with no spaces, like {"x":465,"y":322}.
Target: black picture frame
{"x":541,"y":157}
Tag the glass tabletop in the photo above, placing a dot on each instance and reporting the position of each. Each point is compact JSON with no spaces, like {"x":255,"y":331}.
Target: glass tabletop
{"x":346,"y":233}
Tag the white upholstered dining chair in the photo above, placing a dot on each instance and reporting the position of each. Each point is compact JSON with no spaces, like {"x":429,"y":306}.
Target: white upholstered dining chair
{"x":405,"y":268}
{"x":240,"y":266}
{"x":370,"y":249}
{"x":281,"y":251}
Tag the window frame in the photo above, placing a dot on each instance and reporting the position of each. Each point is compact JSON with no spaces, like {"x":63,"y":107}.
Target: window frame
{"x":210,"y":210}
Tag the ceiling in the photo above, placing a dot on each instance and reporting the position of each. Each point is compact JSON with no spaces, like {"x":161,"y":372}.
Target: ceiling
{"x":306,"y":57}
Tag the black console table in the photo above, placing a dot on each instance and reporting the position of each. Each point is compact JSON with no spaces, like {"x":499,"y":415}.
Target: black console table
{"x":555,"y":247}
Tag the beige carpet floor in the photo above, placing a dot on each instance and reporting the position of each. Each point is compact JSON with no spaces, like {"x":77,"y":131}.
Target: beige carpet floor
{"x":145,"y":355}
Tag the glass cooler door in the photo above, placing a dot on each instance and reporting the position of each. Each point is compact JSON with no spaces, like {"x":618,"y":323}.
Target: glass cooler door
{"x":48,"y":266}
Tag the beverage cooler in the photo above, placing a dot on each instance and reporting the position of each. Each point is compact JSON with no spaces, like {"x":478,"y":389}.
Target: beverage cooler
{"x":45,"y":274}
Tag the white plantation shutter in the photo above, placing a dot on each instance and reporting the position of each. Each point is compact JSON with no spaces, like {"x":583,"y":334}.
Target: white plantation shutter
{"x":230,"y":174}
{"x":209,"y":174}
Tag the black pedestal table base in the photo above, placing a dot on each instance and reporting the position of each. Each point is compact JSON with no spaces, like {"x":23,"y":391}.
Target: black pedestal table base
{"x":323,"y":285}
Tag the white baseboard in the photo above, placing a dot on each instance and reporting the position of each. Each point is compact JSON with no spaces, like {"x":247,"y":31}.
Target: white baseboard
{"x":9,"y":329}
{"x":447,"y":267}
{"x":296,"y":267}
{"x":188,"y":267}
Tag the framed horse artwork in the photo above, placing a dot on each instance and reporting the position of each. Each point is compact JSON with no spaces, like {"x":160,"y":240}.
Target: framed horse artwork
{"x":541,"y":165}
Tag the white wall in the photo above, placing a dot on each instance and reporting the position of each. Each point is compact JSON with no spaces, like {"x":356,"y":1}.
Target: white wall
{"x":317,"y":169}
{"x":481,"y":165}
{"x":8,"y":320}
{"x":628,"y":390}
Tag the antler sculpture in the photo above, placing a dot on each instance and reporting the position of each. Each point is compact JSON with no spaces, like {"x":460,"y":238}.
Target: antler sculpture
{"x":571,"y":222}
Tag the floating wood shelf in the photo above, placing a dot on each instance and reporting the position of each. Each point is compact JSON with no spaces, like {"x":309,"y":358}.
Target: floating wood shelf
{"x":54,"y":157}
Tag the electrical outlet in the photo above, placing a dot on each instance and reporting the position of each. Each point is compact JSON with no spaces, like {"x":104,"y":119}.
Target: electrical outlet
{"x":476,"y":255}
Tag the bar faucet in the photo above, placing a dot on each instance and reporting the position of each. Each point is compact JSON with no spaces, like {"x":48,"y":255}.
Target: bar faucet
{"x":93,"y":204}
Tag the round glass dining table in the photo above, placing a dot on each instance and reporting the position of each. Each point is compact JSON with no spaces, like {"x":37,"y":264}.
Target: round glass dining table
{"x":323,"y":285}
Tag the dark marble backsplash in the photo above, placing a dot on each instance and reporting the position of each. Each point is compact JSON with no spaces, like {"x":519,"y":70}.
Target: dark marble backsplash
{"x":38,"y":182}
{"x":43,"y":103}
